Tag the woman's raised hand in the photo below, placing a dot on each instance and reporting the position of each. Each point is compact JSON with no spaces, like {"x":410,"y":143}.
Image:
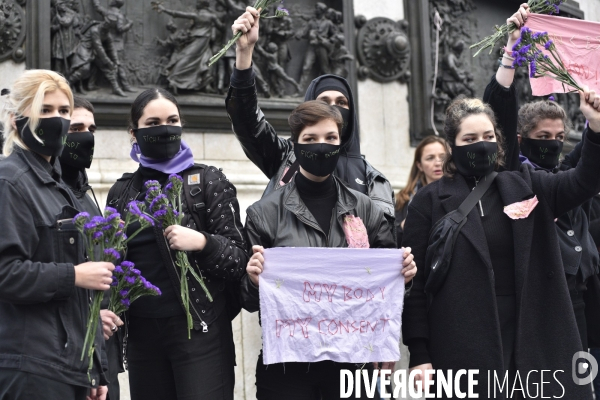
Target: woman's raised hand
{"x":519,"y":18}
{"x":590,"y":107}
{"x":255,"y":264}
{"x":248,"y":24}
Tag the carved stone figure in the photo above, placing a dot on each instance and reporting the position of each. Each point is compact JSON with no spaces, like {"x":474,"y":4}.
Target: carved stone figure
{"x":175,"y":43}
{"x":90,"y":54}
{"x":455,"y":78}
{"x":118,"y":26}
{"x":319,"y":32}
{"x":12,"y":30}
{"x":66,"y":24}
{"x":190,"y":71}
{"x":277,"y":75}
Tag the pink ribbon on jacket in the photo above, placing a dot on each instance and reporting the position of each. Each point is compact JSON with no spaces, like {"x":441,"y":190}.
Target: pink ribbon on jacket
{"x":578,"y":43}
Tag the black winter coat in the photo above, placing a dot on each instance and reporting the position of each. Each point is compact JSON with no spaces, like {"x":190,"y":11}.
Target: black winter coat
{"x":224,"y":257}
{"x":275,"y":155}
{"x":280,"y":219}
{"x":43,"y":313}
{"x":461,"y":326}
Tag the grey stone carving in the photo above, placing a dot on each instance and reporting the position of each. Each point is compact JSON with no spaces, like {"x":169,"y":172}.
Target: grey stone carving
{"x":383,"y":49}
{"x":12,"y":30}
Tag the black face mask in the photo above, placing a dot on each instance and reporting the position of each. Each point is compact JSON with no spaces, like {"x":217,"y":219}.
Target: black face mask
{"x":319,"y":159}
{"x":79,"y":150}
{"x":544,"y":153}
{"x":52,"y":131}
{"x":159,"y":142}
{"x":477,"y":159}
{"x":346,"y":115}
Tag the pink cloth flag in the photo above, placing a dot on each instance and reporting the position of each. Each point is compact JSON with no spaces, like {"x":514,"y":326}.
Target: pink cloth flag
{"x":578,"y":43}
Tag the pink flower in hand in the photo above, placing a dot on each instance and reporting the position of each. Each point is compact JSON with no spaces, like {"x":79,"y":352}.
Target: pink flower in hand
{"x":521,"y":209}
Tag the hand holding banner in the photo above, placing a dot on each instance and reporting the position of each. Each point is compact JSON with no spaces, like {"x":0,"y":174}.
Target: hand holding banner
{"x":336,"y":304}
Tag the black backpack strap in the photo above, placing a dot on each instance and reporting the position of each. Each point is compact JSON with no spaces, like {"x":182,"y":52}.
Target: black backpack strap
{"x":117,"y":195}
{"x":476,"y":194}
{"x":193,"y":182}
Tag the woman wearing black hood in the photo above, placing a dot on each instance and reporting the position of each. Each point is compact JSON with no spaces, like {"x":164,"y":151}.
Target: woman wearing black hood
{"x":274,"y":155}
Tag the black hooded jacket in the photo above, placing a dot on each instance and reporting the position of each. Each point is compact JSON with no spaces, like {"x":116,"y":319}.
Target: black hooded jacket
{"x":275,"y":155}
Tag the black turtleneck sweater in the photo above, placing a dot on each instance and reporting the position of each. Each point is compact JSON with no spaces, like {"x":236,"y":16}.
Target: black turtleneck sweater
{"x":319,"y":198}
{"x":143,"y":251}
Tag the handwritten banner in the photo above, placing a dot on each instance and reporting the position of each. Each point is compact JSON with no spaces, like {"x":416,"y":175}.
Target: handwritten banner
{"x":336,"y":304}
{"x":578,"y":43}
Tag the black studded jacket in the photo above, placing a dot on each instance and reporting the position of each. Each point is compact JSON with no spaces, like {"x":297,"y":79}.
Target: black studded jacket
{"x":224,"y":257}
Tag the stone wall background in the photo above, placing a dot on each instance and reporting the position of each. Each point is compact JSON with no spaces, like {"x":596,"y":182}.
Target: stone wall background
{"x":384,"y":121}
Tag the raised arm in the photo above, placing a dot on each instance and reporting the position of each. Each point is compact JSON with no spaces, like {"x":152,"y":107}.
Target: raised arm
{"x":258,"y":138}
{"x":501,"y":95}
{"x":101,"y":10}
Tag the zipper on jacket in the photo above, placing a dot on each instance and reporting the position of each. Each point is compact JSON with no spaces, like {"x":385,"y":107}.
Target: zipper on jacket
{"x":204,"y":325}
{"x":234,"y":221}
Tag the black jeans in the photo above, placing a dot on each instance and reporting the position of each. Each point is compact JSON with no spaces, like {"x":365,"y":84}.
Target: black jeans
{"x":165,"y":364}
{"x":303,"y":381}
{"x":19,"y":385}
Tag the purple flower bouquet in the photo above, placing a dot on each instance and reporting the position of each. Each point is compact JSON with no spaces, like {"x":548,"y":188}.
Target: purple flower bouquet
{"x":165,"y":209}
{"x":105,"y":241}
{"x":535,"y":6}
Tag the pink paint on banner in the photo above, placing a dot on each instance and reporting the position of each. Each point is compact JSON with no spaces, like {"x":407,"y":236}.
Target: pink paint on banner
{"x":578,"y":43}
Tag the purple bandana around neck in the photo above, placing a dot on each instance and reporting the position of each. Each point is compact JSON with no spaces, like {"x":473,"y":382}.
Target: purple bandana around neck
{"x":183,"y":160}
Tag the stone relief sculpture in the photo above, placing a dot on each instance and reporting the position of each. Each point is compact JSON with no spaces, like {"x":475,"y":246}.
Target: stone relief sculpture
{"x":117,"y":27}
{"x":12,"y":30}
{"x":66,"y":23}
{"x":190,"y":71}
{"x":276,"y":73}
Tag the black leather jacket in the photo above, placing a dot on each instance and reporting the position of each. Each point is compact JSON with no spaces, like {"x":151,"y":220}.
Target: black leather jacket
{"x":280,"y":219}
{"x":43,"y":314}
{"x":274,"y":155}
{"x":225,"y":255}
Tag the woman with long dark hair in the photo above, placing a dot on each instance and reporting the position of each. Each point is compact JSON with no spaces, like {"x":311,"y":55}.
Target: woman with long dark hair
{"x":504,"y":307}
{"x":163,"y":362}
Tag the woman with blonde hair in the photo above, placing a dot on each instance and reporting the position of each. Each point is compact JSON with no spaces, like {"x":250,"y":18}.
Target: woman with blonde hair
{"x":45,"y":282}
{"x":426,"y":168}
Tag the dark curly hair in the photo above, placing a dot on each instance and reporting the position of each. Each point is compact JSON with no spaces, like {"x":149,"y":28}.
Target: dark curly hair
{"x":532,"y":113}
{"x":457,"y":111}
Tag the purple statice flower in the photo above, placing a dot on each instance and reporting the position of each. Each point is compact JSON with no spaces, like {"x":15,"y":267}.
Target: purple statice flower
{"x":127,"y":264}
{"x":525,"y":30}
{"x":156,"y":289}
{"x":169,"y":187}
{"x":135,"y":271}
{"x":107,"y":228}
{"x":525,"y":49}
{"x":125,"y":302}
{"x":174,"y":178}
{"x":97,"y":235}
{"x":516,"y":45}
{"x":152,"y":184}
{"x":156,"y":202}
{"x":556,"y":8}
{"x":145,"y":218}
{"x":81,"y":218}
{"x":124,"y":293}
{"x":548,"y":44}
{"x":112,"y":253}
{"x":134,"y":207}
{"x":115,"y":281}
{"x":551,"y":98}
{"x":112,"y":217}
{"x":118,"y":269}
{"x":130,"y":279}
{"x":532,"y":69}
{"x":160,"y":214}
{"x":109,"y":211}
